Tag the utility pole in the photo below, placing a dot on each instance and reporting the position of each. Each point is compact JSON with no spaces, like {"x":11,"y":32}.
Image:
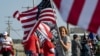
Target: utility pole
{"x":28,"y":7}
{"x":33,"y":3}
{"x":9,"y":24}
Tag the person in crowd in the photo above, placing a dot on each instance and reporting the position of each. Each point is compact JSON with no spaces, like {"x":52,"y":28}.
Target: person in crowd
{"x":83,"y":43}
{"x":48,"y":48}
{"x":7,"y":45}
{"x":1,"y":36}
{"x":98,"y":47}
{"x":32,"y":47}
{"x":76,"y":46}
{"x":88,"y":48}
{"x":93,"y":47}
{"x":65,"y":41}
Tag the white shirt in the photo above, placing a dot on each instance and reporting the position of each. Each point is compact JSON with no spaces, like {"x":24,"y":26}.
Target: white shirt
{"x":8,"y":40}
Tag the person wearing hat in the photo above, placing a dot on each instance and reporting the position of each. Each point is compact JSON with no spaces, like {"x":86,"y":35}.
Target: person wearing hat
{"x":7,"y":45}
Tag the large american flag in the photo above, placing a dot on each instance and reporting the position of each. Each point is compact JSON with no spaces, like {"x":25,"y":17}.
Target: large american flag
{"x":84,"y":13}
{"x":29,"y":20}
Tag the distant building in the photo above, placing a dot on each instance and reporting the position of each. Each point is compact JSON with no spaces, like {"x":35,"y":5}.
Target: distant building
{"x":78,"y":31}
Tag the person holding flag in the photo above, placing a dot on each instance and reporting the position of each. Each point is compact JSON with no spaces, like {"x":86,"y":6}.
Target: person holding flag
{"x":65,"y":41}
{"x":32,"y":21}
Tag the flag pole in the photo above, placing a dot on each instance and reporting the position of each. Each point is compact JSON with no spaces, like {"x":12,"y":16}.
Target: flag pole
{"x":68,"y":29}
{"x":58,"y":32}
{"x":55,"y":18}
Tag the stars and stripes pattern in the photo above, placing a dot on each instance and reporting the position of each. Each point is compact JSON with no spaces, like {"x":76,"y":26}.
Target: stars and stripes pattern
{"x":29,"y":21}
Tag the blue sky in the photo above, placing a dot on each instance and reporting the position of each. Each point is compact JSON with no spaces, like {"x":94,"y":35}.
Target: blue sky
{"x":8,"y":7}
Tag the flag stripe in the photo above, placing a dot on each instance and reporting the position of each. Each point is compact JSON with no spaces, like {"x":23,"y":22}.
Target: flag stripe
{"x":47,"y":10}
{"x":75,"y":11}
{"x":87,"y":12}
{"x":26,"y":32}
{"x":47,"y":15}
{"x":44,"y":27}
{"x":51,"y":19}
{"x":29,"y":14}
{"x":28,"y":20}
{"x":15,"y":14}
{"x":27,"y":29}
{"x":30,"y":23}
{"x":95,"y":22}
{"x":63,"y":9}
{"x":83,"y":13}
{"x":21,"y":17}
{"x":45,"y":31}
{"x":28,"y":26}
{"x":98,"y":31}
{"x":58,"y":3}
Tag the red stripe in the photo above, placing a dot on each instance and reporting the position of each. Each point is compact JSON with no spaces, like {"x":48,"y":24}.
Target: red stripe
{"x":47,"y":31}
{"x":26,"y":32}
{"x":36,"y":26}
{"x":47,"y":20}
{"x":24,"y":38}
{"x":47,"y":15}
{"x":58,"y":3}
{"x":18,"y":18}
{"x":33,"y":26}
{"x":28,"y":26}
{"x":75,"y":11}
{"x":29,"y":14}
{"x":95,"y":22}
{"x":15,"y":13}
{"x":23,"y":15}
{"x":28,"y":20}
{"x":51,"y":11}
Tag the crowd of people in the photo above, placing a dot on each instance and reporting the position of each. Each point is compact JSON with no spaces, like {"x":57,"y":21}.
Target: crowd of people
{"x":90,"y":47}
{"x":61,"y":46}
{"x":78,"y":46}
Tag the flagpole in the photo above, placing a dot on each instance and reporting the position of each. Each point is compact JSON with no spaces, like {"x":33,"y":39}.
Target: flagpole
{"x":58,"y":32}
{"x":68,"y":29}
{"x":55,"y":18}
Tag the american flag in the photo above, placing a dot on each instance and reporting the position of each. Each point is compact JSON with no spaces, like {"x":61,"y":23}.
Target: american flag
{"x":31,"y":19}
{"x":83,"y":13}
{"x":44,"y":32}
